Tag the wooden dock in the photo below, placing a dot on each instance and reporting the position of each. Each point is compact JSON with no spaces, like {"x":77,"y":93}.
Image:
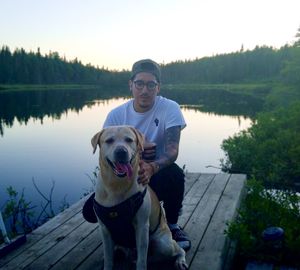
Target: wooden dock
{"x":69,"y":242}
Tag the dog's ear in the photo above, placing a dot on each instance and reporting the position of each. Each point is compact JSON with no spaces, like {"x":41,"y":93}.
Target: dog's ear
{"x":140,"y":139}
{"x":96,"y":141}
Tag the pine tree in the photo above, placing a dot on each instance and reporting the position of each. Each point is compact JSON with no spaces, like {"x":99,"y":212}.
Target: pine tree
{"x":297,"y":42}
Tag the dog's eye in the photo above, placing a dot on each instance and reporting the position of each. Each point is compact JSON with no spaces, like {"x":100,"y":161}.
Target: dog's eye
{"x":128,"y":140}
{"x":109,"y":140}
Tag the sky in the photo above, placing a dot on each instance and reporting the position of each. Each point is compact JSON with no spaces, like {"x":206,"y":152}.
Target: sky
{"x":114,"y":34}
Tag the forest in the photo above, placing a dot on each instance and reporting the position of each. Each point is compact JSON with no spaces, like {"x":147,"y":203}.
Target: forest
{"x":263,"y":64}
{"x":21,"y":67}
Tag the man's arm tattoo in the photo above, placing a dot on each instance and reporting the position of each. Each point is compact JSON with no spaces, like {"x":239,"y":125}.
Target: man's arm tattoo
{"x":170,"y":154}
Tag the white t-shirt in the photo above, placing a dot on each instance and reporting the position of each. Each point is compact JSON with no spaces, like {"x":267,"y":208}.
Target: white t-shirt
{"x":164,"y":114}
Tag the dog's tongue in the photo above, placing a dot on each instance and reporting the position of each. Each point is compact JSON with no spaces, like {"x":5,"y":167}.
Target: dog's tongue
{"x":124,"y":168}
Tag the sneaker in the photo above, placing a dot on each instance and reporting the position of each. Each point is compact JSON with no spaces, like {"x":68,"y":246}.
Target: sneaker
{"x":180,"y":236}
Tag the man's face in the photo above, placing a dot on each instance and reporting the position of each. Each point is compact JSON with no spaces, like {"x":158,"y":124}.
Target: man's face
{"x":144,"y":88}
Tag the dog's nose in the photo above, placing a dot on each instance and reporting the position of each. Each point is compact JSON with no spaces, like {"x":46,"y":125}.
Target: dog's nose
{"x":121,"y":155}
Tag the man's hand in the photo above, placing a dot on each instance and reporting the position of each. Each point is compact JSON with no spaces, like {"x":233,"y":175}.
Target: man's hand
{"x":149,"y":153}
{"x":145,"y":173}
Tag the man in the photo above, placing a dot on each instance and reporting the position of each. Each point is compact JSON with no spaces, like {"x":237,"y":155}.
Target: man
{"x":161,"y":121}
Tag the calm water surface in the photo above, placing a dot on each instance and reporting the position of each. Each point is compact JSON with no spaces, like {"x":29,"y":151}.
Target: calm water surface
{"x":54,"y":145}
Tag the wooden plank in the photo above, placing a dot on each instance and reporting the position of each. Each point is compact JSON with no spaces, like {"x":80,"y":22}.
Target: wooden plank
{"x":201,"y":217}
{"x":45,"y":230}
{"x":193,"y":197}
{"x":94,"y":261}
{"x":190,"y":179}
{"x":212,"y":249}
{"x":81,"y":252}
{"x":63,"y":247}
{"x":45,"y":244}
{"x":231,"y":247}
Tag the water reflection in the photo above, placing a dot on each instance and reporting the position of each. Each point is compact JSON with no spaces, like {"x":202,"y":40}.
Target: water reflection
{"x":23,"y":105}
{"x":217,"y":101}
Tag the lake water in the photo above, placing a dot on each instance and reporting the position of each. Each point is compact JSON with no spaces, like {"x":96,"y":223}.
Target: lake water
{"x":45,"y":136}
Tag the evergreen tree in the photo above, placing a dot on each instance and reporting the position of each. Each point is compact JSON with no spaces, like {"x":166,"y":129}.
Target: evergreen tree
{"x":297,"y":42}
{"x":261,"y":64}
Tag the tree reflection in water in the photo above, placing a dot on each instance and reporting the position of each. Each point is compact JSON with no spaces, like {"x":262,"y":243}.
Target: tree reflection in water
{"x":23,"y":105}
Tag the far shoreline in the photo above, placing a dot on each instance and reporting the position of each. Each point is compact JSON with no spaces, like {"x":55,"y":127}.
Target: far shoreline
{"x":31,"y":87}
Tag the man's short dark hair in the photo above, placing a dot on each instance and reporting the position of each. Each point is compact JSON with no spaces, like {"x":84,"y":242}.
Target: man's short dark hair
{"x":146,"y":65}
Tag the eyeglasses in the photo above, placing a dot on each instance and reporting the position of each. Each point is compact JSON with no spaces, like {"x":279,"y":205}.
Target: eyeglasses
{"x":151,"y":85}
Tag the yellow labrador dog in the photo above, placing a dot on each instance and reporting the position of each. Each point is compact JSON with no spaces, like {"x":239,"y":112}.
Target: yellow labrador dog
{"x":129,"y":213}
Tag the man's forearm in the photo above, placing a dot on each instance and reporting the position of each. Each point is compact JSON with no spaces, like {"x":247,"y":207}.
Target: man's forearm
{"x":170,"y":154}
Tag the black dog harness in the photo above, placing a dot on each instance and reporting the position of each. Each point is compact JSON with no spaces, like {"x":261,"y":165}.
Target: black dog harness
{"x":118,"y":218}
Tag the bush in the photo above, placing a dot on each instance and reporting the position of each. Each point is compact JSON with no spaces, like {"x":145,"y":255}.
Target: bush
{"x":19,"y":214}
{"x":261,"y":209}
{"x":269,"y":150}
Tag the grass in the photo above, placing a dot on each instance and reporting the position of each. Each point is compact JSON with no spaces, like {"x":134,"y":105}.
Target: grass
{"x":226,"y":86}
{"x":258,"y":89}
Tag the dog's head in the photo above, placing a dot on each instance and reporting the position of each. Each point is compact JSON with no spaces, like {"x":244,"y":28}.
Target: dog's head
{"x":120,"y":147}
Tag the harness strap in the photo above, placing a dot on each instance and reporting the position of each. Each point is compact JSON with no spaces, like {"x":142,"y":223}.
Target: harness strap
{"x":118,"y":218}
